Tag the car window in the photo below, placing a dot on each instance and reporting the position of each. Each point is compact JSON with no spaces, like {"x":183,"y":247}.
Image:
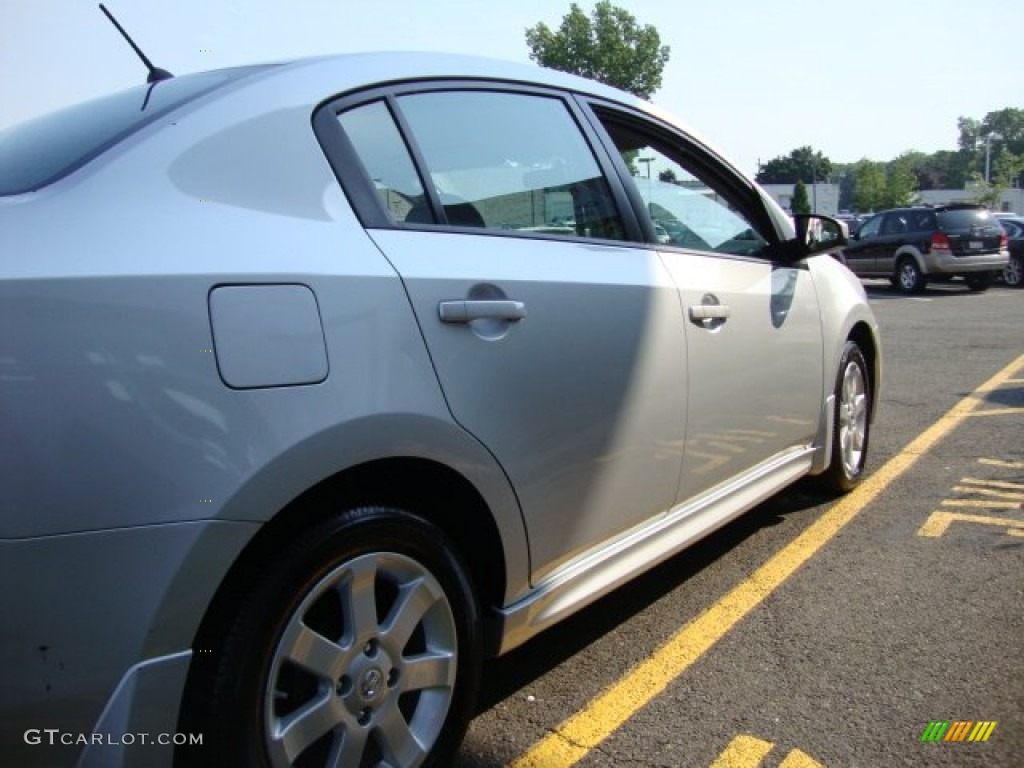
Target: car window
{"x":965,"y":218}
{"x":686,"y":207}
{"x":41,"y":151}
{"x":870,"y":228}
{"x":895,"y":224}
{"x":376,"y":139}
{"x":920,"y":221}
{"x":510,"y":162}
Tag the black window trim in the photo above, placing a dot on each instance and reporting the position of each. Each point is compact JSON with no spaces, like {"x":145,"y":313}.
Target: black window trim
{"x":370,"y":210}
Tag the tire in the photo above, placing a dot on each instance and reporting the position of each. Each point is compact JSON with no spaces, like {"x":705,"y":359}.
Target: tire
{"x":1013,"y":274}
{"x":980,"y":281}
{"x":852,"y":423}
{"x":908,"y":277}
{"x":358,"y":645}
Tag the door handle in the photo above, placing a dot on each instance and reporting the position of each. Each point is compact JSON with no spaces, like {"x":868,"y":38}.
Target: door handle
{"x":466,"y":311}
{"x":709,"y":316}
{"x":710,"y":312}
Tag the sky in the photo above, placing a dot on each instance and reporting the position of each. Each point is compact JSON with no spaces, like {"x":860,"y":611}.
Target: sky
{"x":759,"y":78}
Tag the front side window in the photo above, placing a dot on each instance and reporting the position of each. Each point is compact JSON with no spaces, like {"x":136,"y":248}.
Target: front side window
{"x":511,"y":162}
{"x":686,"y":207}
{"x":870,"y":228}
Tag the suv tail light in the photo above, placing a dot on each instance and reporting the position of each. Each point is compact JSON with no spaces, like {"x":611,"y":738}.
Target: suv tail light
{"x":1004,"y":241}
{"x":940,"y":244}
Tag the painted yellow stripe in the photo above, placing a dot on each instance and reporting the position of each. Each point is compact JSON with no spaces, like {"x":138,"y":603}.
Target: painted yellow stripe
{"x":998,"y":412}
{"x":980,"y":504}
{"x":938,"y":523}
{"x":743,"y":752}
{"x":998,"y":483}
{"x":573,"y":739}
{"x":1001,"y":463}
{"x":798,"y":759}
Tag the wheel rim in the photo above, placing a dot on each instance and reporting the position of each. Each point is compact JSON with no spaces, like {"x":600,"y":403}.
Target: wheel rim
{"x":1012,"y":275}
{"x":853,"y":419}
{"x":364,"y":672}
{"x":908,"y":276}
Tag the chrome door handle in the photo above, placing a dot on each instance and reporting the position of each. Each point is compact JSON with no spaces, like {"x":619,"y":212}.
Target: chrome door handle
{"x":466,"y":311}
{"x":710,"y":317}
{"x":710,"y":312}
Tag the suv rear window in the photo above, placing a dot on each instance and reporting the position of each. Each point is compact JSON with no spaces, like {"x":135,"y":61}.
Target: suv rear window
{"x":965,"y":218}
{"x":40,"y":151}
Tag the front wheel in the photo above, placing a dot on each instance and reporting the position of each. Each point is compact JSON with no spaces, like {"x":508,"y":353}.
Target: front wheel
{"x":852,"y":422}
{"x":358,"y":645}
{"x":908,"y":277}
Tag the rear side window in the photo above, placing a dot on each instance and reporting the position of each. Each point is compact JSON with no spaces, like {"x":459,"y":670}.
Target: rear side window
{"x":494,"y":160}
{"x":38,"y":152}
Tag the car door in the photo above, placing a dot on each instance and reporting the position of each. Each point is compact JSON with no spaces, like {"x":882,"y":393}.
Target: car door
{"x":558,"y":343}
{"x":861,"y":254}
{"x":754,"y":337}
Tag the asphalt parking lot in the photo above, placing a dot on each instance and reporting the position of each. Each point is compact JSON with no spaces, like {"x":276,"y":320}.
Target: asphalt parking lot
{"x":814,"y":632}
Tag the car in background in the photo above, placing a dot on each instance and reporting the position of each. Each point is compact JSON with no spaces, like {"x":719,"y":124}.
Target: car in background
{"x":1013,"y":275}
{"x":306,"y":406}
{"x":911,"y":246}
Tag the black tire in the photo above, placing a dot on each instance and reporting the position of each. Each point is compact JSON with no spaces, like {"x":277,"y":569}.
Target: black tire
{"x":851,"y":429}
{"x":1013,"y":275}
{"x":980,"y":281}
{"x":908,"y":277}
{"x":360,"y":641}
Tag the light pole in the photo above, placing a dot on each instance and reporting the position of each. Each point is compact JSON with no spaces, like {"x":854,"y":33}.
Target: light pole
{"x":988,"y":152}
{"x":647,"y":161}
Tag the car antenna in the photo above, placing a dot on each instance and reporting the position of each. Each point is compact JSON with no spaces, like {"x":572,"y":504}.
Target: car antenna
{"x":155,"y":73}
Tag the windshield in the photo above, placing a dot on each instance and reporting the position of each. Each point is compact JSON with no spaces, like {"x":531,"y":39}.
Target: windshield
{"x":38,"y":152}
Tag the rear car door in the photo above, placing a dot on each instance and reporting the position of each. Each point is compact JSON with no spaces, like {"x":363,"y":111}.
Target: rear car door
{"x":557,"y":342}
{"x":754,"y":337}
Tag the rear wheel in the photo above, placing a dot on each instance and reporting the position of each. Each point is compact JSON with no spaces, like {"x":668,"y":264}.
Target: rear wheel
{"x":1013,"y":274}
{"x":980,"y":281}
{"x":852,"y":424}
{"x":908,"y":277}
{"x":357,"y":646}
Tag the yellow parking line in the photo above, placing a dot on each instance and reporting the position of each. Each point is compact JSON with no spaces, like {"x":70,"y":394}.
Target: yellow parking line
{"x":743,"y":752}
{"x":573,"y":739}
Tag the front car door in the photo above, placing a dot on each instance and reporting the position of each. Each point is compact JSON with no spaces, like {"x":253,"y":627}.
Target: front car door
{"x":753,"y":330}
{"x":558,"y":343}
{"x":861,"y":253}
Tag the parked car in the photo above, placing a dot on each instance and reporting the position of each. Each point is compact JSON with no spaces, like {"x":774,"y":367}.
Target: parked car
{"x":910,"y":246}
{"x":306,"y":407}
{"x":1013,"y":275}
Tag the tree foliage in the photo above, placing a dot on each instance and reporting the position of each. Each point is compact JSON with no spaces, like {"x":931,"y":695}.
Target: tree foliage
{"x":609,"y":46}
{"x":800,"y":164}
{"x":800,"y":202}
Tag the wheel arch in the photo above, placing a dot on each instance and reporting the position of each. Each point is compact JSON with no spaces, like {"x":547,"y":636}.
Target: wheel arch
{"x":422,"y":486}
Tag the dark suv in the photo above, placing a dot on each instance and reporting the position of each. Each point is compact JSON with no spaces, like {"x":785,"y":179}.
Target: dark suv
{"x":912,"y":245}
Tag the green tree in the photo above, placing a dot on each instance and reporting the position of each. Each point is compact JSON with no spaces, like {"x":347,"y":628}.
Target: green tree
{"x":802,"y":163}
{"x":870,"y":186}
{"x":900,"y":182}
{"x":609,"y":46}
{"x":800,"y":202}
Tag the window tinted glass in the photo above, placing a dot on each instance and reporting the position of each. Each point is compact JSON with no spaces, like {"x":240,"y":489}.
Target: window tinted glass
{"x":511,"y":162}
{"x":965,"y":218}
{"x":40,"y":151}
{"x":377,"y":141}
{"x":686,"y":209}
{"x":870,"y":228}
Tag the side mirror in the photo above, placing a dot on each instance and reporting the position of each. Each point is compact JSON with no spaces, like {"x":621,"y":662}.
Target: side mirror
{"x":818,"y":234}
